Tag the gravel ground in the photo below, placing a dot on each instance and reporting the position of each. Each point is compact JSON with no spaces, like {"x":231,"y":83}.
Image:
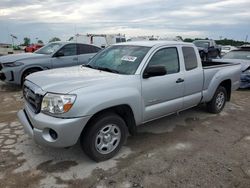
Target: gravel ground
{"x":192,"y":149}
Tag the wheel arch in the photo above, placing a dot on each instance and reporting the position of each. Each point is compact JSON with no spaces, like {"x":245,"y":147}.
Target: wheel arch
{"x":123,"y":110}
{"x":227,"y":84}
{"x":39,"y":68}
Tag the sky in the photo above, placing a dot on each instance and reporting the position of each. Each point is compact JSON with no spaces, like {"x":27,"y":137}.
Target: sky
{"x":44,"y":19}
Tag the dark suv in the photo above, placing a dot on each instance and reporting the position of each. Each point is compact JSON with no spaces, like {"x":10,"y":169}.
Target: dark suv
{"x":208,"y":49}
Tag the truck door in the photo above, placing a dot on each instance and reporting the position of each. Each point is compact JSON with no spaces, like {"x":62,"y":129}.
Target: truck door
{"x":65,"y":57}
{"x":163,"y":95}
{"x":193,"y":78}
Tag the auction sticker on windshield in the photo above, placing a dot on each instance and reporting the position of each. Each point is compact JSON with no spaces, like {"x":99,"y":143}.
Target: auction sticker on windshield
{"x":129,"y":58}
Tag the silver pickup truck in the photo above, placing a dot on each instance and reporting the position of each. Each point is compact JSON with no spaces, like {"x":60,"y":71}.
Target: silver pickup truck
{"x":123,"y":86}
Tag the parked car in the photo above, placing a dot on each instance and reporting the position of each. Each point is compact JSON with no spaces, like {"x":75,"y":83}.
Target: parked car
{"x":14,"y":68}
{"x":123,"y":86}
{"x":226,"y":49}
{"x":33,"y":47}
{"x":242,"y":56}
{"x":208,"y":49}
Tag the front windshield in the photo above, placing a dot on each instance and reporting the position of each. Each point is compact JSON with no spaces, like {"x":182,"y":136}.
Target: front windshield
{"x":245,"y":55}
{"x":123,"y":59}
{"x":202,"y":44}
{"x":49,"y":48}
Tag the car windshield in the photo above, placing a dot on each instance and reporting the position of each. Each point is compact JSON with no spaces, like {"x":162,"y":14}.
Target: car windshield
{"x":245,"y":55}
{"x":123,"y":59}
{"x":49,"y":48}
{"x":202,"y":44}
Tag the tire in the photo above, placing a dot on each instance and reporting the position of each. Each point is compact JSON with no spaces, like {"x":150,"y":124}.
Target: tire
{"x":104,"y":137}
{"x":26,"y":73}
{"x":218,"y":101}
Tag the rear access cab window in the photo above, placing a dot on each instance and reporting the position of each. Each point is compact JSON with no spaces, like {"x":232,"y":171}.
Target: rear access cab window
{"x":190,"y":58}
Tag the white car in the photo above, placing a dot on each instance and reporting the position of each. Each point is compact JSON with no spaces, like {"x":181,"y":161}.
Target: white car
{"x":226,"y":49}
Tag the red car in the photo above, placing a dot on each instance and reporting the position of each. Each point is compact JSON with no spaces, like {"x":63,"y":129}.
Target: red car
{"x":33,"y":47}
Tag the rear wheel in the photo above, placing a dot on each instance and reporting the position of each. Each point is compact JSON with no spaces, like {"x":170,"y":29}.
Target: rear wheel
{"x":218,"y":101}
{"x":104,"y":137}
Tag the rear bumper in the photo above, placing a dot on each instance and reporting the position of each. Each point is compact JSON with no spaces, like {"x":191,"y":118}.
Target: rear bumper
{"x":38,"y":126}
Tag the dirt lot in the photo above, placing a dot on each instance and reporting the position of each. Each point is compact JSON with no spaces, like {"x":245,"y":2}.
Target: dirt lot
{"x":193,"y":149}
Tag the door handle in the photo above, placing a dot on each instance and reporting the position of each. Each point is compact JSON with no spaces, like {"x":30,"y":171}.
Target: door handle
{"x":179,"y":80}
{"x":75,"y":59}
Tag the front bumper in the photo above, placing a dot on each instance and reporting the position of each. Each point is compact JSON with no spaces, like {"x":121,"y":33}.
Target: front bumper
{"x":7,"y":76}
{"x":38,"y":126}
{"x":2,"y":76}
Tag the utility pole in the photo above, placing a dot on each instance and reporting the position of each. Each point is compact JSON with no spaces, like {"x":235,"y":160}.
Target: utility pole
{"x":246,"y":38}
{"x":12,"y":38}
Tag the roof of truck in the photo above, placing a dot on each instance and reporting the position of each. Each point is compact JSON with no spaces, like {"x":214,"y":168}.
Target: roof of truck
{"x":153,"y":43}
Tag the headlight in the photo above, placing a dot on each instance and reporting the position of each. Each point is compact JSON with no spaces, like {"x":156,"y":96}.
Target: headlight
{"x":12,"y":64}
{"x":56,"y":103}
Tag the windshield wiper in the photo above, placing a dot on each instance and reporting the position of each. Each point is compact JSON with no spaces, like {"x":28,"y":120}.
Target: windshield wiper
{"x":86,"y":65}
{"x":102,"y":68}
{"x":107,"y":69}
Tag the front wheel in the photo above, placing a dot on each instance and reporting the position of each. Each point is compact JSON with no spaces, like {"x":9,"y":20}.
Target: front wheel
{"x":26,"y":73}
{"x":218,"y":101}
{"x":104,"y":137}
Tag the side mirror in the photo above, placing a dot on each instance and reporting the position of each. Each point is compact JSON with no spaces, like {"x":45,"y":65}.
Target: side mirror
{"x":59,"y":54}
{"x":155,"y":70}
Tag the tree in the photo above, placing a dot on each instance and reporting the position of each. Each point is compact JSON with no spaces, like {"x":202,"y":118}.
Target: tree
{"x":179,"y":38}
{"x":26,"y":41}
{"x":54,"y":39}
{"x":40,"y":41}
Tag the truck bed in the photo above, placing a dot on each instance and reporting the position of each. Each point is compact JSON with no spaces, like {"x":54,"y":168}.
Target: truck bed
{"x":214,"y":72}
{"x":215,"y":64}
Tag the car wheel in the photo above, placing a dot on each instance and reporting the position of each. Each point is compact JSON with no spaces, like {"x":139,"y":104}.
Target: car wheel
{"x":218,"y":101}
{"x":104,"y":137}
{"x":26,"y":73}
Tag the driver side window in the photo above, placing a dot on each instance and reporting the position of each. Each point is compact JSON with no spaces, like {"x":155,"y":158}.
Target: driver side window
{"x":167,"y":57}
{"x":68,"y":50}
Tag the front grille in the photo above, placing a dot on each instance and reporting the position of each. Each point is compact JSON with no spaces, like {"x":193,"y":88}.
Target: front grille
{"x":34,"y":100}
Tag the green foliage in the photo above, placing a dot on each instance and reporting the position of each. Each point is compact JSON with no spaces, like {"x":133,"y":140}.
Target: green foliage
{"x":40,"y":41}
{"x":26,"y":41}
{"x":54,"y":39}
{"x":231,"y":42}
{"x":222,"y":42}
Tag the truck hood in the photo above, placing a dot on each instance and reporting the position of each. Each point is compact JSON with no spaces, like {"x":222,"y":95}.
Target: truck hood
{"x":245,"y":64}
{"x":21,"y":57}
{"x":65,"y":80}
